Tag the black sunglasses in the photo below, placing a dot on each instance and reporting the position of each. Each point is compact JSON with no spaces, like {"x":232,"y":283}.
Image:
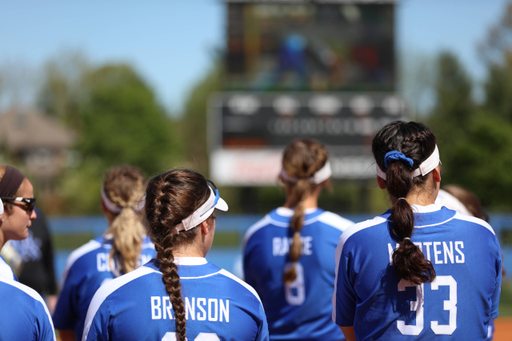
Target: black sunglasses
{"x":30,"y":202}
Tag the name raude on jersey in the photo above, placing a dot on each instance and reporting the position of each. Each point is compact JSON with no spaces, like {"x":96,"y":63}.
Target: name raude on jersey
{"x":442,"y":252}
{"x":281,"y":245}
{"x":103,"y":257}
{"x":196,"y":308}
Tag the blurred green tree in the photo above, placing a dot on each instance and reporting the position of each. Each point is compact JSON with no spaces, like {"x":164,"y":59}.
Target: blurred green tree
{"x":117,"y":120}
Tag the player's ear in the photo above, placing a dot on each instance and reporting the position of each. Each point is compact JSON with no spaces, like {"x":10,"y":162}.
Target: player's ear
{"x":204,"y":228}
{"x":380,"y":181}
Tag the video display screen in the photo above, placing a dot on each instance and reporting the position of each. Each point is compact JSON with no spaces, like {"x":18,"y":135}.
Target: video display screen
{"x":310,"y":47}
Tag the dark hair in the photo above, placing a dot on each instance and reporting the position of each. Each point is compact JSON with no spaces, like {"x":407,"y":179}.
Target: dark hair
{"x":124,"y":186}
{"x":301,"y":160}
{"x":170,"y":198}
{"x":417,"y":142}
{"x":8,"y":206}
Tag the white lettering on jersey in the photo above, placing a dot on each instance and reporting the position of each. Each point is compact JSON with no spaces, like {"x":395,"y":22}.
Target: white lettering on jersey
{"x":281,"y":246}
{"x":103,"y":257}
{"x":208,"y":309}
{"x":445,"y":252}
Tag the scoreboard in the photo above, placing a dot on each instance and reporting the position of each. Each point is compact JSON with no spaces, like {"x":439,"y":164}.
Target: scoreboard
{"x":249,"y":131}
{"x":321,"y":69}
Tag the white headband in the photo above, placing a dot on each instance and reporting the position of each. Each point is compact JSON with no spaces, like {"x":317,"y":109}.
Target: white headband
{"x":117,"y":209}
{"x":424,"y":168}
{"x":202,"y":213}
{"x":320,"y":176}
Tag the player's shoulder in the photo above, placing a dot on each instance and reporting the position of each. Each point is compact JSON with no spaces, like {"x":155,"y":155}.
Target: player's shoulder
{"x":240,"y":284}
{"x":24,"y":292}
{"x":90,"y":247}
{"x":362,"y":228}
{"x":259,"y":225}
{"x":335,"y":220}
{"x":120,"y":282}
{"x":466,"y":220}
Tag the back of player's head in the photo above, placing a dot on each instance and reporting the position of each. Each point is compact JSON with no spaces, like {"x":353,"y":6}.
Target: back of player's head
{"x":304,"y":166}
{"x":122,"y":193}
{"x":406,"y":154}
{"x":171,"y":197}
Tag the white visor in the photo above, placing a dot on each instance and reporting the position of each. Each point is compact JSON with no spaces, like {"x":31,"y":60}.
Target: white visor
{"x":202,"y":213}
{"x":320,"y":176}
{"x":424,"y":168}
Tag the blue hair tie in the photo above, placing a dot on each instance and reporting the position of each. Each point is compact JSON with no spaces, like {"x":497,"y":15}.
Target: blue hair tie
{"x":395,"y":155}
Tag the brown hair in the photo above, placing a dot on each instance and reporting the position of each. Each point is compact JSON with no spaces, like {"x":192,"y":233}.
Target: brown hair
{"x":301,"y":160}
{"x":124,"y":186}
{"x":8,"y":206}
{"x":416,"y":142}
{"x":170,"y":198}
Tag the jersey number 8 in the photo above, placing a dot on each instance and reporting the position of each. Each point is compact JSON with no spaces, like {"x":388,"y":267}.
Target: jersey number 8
{"x":295,"y":293}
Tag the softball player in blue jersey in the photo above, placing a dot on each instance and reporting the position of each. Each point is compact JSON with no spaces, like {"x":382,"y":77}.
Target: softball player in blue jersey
{"x":289,"y":254}
{"x":419,"y":271}
{"x":179,"y":295}
{"x":120,"y":250}
{"x":23,"y":313}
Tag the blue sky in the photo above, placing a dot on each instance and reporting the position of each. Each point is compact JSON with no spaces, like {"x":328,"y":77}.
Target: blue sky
{"x":171,"y":42}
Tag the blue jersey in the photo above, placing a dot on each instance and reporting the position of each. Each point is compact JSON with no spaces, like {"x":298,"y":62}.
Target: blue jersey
{"x":86,"y":270}
{"x":219,"y":306}
{"x":457,"y":305}
{"x":23,"y":313}
{"x":301,"y":310}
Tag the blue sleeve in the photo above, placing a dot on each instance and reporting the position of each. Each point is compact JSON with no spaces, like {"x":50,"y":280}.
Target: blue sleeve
{"x":65,"y":314}
{"x":344,"y":301}
{"x":99,"y":329}
{"x":497,"y":289}
{"x":263,"y":327}
{"x":45,"y":331}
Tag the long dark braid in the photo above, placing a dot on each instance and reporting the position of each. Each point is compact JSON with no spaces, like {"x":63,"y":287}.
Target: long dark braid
{"x":416,"y":142}
{"x":170,"y":198}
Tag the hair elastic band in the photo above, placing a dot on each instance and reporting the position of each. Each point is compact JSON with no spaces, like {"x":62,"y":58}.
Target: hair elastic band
{"x":407,"y":238}
{"x":423,"y":169}
{"x":401,"y":198}
{"x":320,"y":175}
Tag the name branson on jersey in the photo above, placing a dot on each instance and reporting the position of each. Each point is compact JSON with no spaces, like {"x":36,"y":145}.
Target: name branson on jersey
{"x":438,"y":252}
{"x":196,"y":308}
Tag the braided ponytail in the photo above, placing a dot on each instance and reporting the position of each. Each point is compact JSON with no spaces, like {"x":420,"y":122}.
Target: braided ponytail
{"x":301,"y":159}
{"x":170,"y":198}
{"x":416,"y":142}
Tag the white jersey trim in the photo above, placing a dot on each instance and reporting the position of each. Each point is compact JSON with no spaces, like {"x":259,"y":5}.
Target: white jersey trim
{"x":108,"y":288}
{"x":5,"y":270}
{"x":75,"y":255}
{"x":335,"y":220}
{"x":238,"y":280}
{"x":190,"y":260}
{"x":475,"y":220}
{"x":32,"y":293}
{"x":258,"y":225}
